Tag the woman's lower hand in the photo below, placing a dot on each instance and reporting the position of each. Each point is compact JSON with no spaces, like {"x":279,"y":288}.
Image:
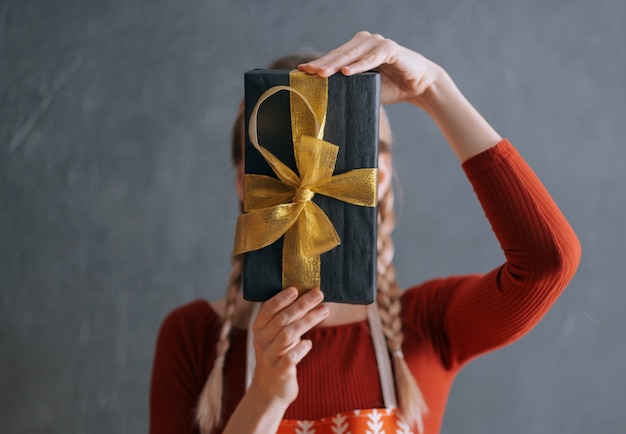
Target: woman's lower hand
{"x":278,"y":328}
{"x":407,"y":76}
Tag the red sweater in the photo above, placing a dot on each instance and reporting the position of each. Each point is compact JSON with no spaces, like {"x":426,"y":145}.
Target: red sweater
{"x":446,"y":321}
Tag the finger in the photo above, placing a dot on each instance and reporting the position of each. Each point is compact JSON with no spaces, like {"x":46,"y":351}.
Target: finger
{"x":346,"y":54}
{"x":284,"y":330}
{"x":384,"y":52}
{"x":273,"y":349}
{"x":289,"y":337}
{"x":331,"y":63}
{"x":282,"y":312}
{"x":296,"y":310}
{"x":298,"y":352}
{"x":275,"y":304}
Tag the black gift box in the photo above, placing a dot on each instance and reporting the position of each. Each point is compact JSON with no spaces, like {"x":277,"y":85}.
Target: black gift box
{"x":348,"y":272}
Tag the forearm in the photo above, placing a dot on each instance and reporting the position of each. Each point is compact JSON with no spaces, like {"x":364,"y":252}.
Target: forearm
{"x":467,"y":132}
{"x":256,"y":415}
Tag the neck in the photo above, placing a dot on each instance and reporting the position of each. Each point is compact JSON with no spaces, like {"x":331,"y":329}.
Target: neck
{"x":342,"y":313}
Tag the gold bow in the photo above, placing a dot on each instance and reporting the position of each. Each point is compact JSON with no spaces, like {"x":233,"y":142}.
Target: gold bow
{"x":276,"y":207}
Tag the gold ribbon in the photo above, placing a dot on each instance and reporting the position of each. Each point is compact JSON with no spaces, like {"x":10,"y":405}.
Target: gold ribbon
{"x":276,"y":207}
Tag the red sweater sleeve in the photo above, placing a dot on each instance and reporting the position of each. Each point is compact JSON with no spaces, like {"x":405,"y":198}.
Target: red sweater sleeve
{"x":474,"y":314}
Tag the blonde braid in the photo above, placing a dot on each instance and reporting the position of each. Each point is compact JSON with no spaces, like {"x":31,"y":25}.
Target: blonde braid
{"x":410,"y":399}
{"x":209,"y":408}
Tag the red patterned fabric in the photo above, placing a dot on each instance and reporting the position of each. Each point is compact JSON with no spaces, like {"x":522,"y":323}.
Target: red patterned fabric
{"x":371,"y":421}
{"x":446,"y":321}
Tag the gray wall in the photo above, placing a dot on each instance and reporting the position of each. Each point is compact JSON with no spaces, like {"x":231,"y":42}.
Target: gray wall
{"x":116,"y":202}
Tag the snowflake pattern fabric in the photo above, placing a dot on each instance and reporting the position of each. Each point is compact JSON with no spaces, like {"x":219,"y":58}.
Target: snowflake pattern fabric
{"x":371,"y":421}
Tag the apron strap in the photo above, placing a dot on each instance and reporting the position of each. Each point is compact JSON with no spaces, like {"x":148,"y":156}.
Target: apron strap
{"x":382,"y":356}
{"x":250,"y":356}
{"x":383,"y":360}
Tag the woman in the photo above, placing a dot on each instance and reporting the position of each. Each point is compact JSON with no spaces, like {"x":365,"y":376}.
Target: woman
{"x":316,"y":363}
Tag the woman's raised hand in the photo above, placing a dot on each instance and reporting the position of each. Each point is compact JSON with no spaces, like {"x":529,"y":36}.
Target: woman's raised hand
{"x":278,"y":328}
{"x":406,"y":75}
{"x":410,"y":77}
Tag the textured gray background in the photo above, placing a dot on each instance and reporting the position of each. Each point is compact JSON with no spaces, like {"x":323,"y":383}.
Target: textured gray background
{"x":116,"y":202}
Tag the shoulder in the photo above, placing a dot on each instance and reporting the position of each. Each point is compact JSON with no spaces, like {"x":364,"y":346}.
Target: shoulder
{"x":190,"y":320}
{"x":437,"y":288}
{"x":185,"y":346}
{"x":425,"y":305}
{"x":197,"y":310}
